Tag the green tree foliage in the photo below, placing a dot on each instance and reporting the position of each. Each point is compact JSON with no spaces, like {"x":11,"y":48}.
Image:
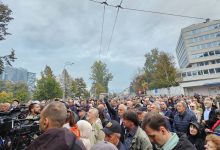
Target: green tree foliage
{"x":7,"y":59}
{"x":5,"y":18}
{"x":6,"y":97}
{"x":165,"y":74}
{"x":100,"y":75}
{"x":47,"y":86}
{"x":15,"y":90}
{"x":67,"y":83}
{"x":150,"y":65}
{"x":81,"y":90}
{"x":20,"y":92}
{"x":159,"y":72}
{"x":97,"y":88}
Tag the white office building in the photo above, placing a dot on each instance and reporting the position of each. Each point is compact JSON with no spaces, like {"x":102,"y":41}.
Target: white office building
{"x":198,"y":54}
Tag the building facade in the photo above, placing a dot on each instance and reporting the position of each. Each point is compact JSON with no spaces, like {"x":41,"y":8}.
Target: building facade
{"x":19,"y":75}
{"x":198,"y":54}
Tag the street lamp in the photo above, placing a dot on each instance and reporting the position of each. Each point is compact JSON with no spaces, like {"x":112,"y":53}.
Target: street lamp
{"x":64,"y":78}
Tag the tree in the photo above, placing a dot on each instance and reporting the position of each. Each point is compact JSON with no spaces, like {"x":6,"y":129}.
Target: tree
{"x":67,"y":83}
{"x":100,"y":75}
{"x":96,"y":89}
{"x":5,"y":18}
{"x":159,"y":72}
{"x":7,"y":59}
{"x":150,"y":65}
{"x":19,"y":90}
{"x":47,"y":86}
{"x":81,"y":90}
{"x":6,"y":97}
{"x":165,"y":74}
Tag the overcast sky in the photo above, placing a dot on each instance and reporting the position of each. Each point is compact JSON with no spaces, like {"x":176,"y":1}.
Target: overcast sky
{"x":52,"y":32}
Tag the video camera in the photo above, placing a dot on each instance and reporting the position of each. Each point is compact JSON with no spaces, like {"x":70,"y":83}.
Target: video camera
{"x":17,"y":132}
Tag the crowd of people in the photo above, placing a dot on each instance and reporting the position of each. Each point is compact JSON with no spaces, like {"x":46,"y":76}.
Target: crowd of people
{"x":132,"y":123}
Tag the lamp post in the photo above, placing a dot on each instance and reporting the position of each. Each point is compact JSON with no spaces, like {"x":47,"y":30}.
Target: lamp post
{"x":64,"y":78}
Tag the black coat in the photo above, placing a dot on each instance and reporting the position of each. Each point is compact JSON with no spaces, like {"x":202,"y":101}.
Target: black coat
{"x":211,"y":121}
{"x":198,"y":140}
{"x":57,"y":139}
{"x":184,"y":143}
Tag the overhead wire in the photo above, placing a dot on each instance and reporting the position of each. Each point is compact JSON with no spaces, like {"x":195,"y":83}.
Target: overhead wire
{"x":150,"y":11}
{"x":103,"y":20}
{"x":113,"y":29}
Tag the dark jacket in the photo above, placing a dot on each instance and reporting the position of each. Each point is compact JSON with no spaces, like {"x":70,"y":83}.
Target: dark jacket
{"x":181,"y":121}
{"x":121,"y":146}
{"x":114,"y":116}
{"x":211,"y":121}
{"x":183,"y":143}
{"x":197,"y":140}
{"x":112,"y":112}
{"x":56,"y":139}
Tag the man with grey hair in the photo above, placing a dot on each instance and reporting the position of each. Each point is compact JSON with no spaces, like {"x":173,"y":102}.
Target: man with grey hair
{"x":93,"y":118}
{"x":55,"y":137}
{"x":183,"y":118}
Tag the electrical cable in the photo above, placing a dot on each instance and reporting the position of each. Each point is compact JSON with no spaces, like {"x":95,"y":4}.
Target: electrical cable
{"x":150,"y":11}
{"x":103,"y":20}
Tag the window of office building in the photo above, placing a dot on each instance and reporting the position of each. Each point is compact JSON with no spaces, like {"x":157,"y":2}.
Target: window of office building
{"x":213,"y":62}
{"x":189,"y":74}
{"x":218,"y":61}
{"x":217,"y":70}
{"x":200,"y":64}
{"x":211,"y":53}
{"x":183,"y":74}
{"x":211,"y":71}
{"x":200,"y":72}
{"x":206,"y":71}
{"x":194,"y":73}
{"x":217,"y":52}
{"x":206,"y":62}
{"x":206,"y":54}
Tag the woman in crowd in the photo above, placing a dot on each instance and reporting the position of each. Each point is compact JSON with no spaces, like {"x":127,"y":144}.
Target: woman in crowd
{"x":85,"y":133}
{"x":193,"y":107}
{"x":196,"y":135}
{"x":212,"y":142}
{"x":71,"y":123}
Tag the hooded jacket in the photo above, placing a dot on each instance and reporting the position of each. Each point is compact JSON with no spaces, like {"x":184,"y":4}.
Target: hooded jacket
{"x":56,"y":139}
{"x":184,"y":143}
{"x":198,"y":140}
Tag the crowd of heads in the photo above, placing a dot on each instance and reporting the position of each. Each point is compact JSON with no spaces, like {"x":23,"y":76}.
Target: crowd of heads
{"x":158,"y":117}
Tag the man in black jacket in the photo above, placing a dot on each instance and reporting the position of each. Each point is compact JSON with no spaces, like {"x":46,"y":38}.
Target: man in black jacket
{"x":208,"y":113}
{"x":156,"y":128}
{"x":55,"y":137}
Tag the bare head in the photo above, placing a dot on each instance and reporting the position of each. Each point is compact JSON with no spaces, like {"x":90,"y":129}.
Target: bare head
{"x":53,"y":116}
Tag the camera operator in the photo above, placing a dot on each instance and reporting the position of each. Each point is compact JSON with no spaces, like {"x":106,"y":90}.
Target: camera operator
{"x":55,"y":137}
{"x":34,"y":111}
{"x":5,"y":107}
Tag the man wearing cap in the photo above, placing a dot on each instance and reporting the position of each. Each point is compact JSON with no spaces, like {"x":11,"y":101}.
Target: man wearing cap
{"x":112,"y":132}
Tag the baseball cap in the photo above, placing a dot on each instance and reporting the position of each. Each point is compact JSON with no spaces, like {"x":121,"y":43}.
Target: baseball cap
{"x":104,"y":145}
{"x":112,"y":127}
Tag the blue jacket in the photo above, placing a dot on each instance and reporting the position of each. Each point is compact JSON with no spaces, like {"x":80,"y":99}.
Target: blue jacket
{"x":181,"y":121}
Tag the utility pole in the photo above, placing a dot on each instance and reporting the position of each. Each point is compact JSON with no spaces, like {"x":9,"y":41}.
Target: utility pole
{"x":64,"y":78}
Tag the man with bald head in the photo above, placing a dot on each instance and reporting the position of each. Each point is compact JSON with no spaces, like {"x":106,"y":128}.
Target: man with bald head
{"x":55,"y":137}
